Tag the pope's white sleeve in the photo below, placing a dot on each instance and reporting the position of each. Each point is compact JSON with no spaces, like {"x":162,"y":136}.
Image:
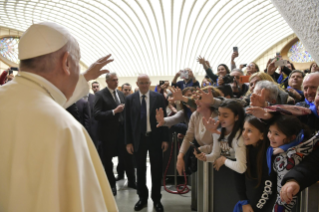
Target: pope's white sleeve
{"x":82,"y":88}
{"x":240,"y":154}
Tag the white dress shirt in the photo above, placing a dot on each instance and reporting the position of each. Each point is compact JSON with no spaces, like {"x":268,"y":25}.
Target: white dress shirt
{"x":147,"y":100}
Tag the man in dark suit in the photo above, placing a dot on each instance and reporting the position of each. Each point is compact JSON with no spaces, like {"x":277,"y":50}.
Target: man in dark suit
{"x":141,"y":134}
{"x":108,"y":111}
{"x":126,"y":89}
{"x":84,"y":113}
{"x":92,"y":122}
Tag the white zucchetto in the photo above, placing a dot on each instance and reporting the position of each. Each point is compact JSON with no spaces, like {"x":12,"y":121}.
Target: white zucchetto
{"x":41,"y":39}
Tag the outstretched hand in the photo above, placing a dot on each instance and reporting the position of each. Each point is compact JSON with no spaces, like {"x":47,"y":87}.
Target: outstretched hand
{"x":94,"y":71}
{"x":204,"y":97}
{"x":159,"y":117}
{"x":258,"y":100}
{"x":203,"y":62}
{"x":211,"y":125}
{"x":176,"y":94}
{"x":259,"y":112}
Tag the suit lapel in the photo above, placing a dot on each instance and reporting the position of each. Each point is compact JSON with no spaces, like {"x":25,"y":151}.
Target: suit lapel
{"x":152,"y":103}
{"x":110,"y":96}
{"x":136,"y":102}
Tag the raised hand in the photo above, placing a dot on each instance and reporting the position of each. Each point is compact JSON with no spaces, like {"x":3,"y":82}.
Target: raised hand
{"x":94,"y":71}
{"x":204,"y":97}
{"x":211,"y":125}
{"x":159,"y":117}
{"x":176,"y":94}
{"x":271,"y":68}
{"x":258,"y":99}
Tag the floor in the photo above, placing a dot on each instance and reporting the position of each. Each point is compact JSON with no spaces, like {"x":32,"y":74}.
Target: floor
{"x":127,"y":197}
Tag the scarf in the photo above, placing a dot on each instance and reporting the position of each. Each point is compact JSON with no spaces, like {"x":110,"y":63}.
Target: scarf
{"x":299,"y":91}
{"x":308,"y":103}
{"x":283,"y":77}
{"x":313,"y":109}
{"x":284,"y":147}
{"x":239,"y":205}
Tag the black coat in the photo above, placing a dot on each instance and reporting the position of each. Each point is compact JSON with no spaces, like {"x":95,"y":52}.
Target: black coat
{"x":306,"y":173}
{"x":92,"y":122}
{"x":108,"y":124}
{"x":84,"y":113}
{"x":132,"y":120}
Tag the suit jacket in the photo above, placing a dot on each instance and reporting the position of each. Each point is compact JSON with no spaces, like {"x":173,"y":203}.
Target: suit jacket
{"x":108,"y":124}
{"x":132,"y":120}
{"x":92,"y":129}
{"x":84,"y":114}
{"x":73,"y":110}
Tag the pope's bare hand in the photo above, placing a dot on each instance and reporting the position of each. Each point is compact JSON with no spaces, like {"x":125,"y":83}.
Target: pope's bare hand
{"x":94,"y":71}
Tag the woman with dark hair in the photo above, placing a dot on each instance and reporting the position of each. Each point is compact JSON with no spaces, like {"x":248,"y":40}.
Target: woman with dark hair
{"x":196,"y":130}
{"x":222,"y":70}
{"x":255,"y":188}
{"x":314,"y":67}
{"x":228,"y":147}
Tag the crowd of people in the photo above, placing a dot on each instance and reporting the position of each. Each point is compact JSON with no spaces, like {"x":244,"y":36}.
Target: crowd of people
{"x":261,"y":124}
{"x":261,"y":129}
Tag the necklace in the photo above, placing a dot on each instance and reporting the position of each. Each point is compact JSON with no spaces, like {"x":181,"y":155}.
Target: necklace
{"x":44,"y":88}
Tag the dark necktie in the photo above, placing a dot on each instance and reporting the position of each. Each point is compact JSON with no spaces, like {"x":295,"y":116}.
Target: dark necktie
{"x":121,"y":118}
{"x":143,"y":116}
{"x":115,"y":98}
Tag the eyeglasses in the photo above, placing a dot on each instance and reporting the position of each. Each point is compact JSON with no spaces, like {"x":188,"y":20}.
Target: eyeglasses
{"x":143,"y":83}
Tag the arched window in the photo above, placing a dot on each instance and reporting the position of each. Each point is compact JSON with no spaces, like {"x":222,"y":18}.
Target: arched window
{"x":9,"y":49}
{"x":298,"y":54}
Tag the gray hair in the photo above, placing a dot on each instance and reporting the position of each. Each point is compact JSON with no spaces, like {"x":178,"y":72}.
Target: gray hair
{"x":108,"y":75}
{"x":310,"y":75}
{"x":271,"y":87}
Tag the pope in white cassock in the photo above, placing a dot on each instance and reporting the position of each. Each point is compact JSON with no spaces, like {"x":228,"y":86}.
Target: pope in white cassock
{"x":48,"y":161}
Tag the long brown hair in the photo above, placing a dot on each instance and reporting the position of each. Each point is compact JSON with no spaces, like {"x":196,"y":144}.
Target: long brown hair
{"x":262,"y":146}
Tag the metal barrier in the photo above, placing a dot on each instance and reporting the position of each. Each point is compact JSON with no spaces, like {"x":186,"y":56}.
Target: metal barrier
{"x":309,"y":199}
{"x":213,"y":187}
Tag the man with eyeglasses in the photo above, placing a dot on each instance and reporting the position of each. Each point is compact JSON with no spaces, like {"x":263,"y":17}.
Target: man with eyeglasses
{"x":142,"y":135}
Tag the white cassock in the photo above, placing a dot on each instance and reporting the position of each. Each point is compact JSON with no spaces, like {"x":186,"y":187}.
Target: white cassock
{"x":48,"y":161}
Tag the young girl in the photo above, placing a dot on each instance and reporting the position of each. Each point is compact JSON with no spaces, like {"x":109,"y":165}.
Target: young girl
{"x":289,"y":144}
{"x":255,"y":188}
{"x":228,"y":144}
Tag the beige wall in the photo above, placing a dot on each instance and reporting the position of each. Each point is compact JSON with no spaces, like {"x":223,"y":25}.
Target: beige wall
{"x":271,"y":52}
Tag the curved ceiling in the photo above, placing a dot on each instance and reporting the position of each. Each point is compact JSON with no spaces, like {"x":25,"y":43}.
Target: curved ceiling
{"x":158,"y":37}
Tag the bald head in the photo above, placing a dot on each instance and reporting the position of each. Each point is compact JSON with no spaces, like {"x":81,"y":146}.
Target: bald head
{"x":143,"y":83}
{"x":310,"y":85}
